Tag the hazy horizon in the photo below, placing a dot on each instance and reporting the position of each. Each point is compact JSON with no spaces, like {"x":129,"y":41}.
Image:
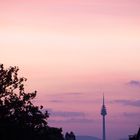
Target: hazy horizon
{"x":73,"y":51}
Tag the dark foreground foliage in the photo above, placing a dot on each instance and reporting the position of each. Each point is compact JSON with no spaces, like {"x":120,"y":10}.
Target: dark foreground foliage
{"x":20,"y":119}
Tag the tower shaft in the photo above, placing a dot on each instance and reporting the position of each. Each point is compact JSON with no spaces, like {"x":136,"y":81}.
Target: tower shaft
{"x":104,"y":131}
{"x":103,"y":113}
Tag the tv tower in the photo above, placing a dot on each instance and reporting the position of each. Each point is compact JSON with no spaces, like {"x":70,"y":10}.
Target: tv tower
{"x":104,"y":113}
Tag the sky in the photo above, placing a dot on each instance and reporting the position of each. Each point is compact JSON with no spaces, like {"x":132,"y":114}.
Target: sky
{"x":73,"y":51}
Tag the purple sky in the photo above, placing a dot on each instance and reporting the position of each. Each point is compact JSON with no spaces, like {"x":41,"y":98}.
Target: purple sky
{"x":72,"y":51}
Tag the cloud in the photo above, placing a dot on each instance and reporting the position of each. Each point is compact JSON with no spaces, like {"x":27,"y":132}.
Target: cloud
{"x":134,"y":83}
{"x":68,"y":117}
{"x":72,"y":120}
{"x":66,"y":114}
{"x":131,"y":114}
{"x":74,"y":93}
{"x":124,"y":139}
{"x":56,"y":101}
{"x":66,"y":94}
{"x":70,"y":97}
{"x":135,"y":103}
{"x":64,"y":97}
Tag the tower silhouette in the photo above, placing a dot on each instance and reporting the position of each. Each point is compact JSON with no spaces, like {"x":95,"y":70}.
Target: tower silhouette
{"x":104,"y":113}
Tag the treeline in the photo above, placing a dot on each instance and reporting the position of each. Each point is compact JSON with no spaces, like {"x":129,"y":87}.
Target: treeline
{"x":20,"y":119}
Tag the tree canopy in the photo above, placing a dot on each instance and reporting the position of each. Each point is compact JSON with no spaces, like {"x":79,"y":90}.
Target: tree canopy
{"x":19,"y":117}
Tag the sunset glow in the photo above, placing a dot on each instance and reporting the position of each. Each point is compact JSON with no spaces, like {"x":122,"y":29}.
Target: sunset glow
{"x":71,"y":51}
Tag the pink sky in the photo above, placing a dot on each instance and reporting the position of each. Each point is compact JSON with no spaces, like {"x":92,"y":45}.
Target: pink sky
{"x":73,"y":51}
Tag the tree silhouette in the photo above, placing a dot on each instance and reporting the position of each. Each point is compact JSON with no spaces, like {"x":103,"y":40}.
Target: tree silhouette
{"x":19,"y":117}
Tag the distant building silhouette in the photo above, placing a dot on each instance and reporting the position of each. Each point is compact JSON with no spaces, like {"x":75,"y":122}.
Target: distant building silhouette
{"x":70,"y":136}
{"x":104,"y":113}
{"x":135,"y":136}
